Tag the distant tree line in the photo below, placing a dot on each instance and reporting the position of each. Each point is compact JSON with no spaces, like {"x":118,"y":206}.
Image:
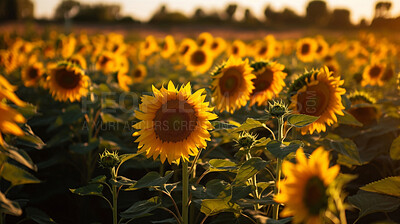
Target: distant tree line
{"x":317,"y":15}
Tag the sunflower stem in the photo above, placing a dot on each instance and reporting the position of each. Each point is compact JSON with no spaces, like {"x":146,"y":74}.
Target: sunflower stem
{"x":281,"y":123}
{"x":114,"y":196}
{"x":253,"y":181}
{"x":185,"y":193}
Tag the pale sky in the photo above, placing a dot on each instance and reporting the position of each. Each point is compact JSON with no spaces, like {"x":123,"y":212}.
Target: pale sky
{"x":144,"y":9}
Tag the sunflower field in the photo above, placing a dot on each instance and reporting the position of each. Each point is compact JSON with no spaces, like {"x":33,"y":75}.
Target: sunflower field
{"x":110,"y":128}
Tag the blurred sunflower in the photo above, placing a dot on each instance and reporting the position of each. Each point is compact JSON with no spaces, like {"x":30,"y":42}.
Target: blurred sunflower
{"x":67,"y":81}
{"x":148,"y":47}
{"x":174,"y":123}
{"x":217,"y":46}
{"x":9,"y":116}
{"x":263,"y":50}
{"x":268,"y":83}
{"x":139,"y":73}
{"x":317,"y":93}
{"x":107,"y":62}
{"x":168,"y":47}
{"x":322,"y":47}
{"x":237,"y":49}
{"x":306,"y":49}
{"x":334,"y":67}
{"x":67,"y":46}
{"x":205,"y":39}
{"x":124,"y":81}
{"x":79,"y":60}
{"x":304,"y":191}
{"x":31,"y":74}
{"x":363,"y":108}
{"x":373,"y":74}
{"x":232,"y":84}
{"x":199,"y":60}
{"x":186,"y":46}
{"x":353,"y":49}
{"x":8,"y":60}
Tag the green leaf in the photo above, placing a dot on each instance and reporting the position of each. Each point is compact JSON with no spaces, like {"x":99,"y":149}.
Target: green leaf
{"x":9,"y":207}
{"x":38,"y":216}
{"x":280,"y":150}
{"x":98,"y":180}
{"x":395,"y":149}
{"x":108,"y":118}
{"x":301,"y":120}
{"x":368,"y":202}
{"x":248,"y":169}
{"x":30,"y":139}
{"x":249,"y":124}
{"x":347,"y":149}
{"x":28,"y":111}
{"x":126,"y":157}
{"x":389,"y":186}
{"x":122,"y":181}
{"x":17,"y":176}
{"x":220,"y":165}
{"x":214,"y":206}
{"x":141,"y":208}
{"x":91,"y":189}
{"x":348,"y":119}
{"x":20,"y":156}
{"x":84,"y":148}
{"x":151,"y":179}
{"x":218,"y":125}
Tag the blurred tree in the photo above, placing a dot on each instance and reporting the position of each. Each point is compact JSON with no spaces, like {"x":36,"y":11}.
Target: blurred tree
{"x":163,"y":16}
{"x":317,"y":13}
{"x":286,"y":17}
{"x":382,"y":9}
{"x":16,"y":9}
{"x":99,"y":12}
{"x":271,"y":16}
{"x":199,"y":14}
{"x":230,"y":11}
{"x":249,"y":19}
{"x":340,"y":19}
{"x":67,"y":9}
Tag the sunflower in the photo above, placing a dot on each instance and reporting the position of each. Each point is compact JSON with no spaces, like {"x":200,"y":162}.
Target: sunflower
{"x":168,"y":47}
{"x":232,"y":84}
{"x":124,"y":81}
{"x":334,"y":67}
{"x":107,"y":62}
{"x":237,"y":49}
{"x":373,"y":74}
{"x":7,"y":92}
{"x":317,"y":93}
{"x":32,"y":73}
{"x":306,"y":49}
{"x":67,"y":81}
{"x":288,"y":46}
{"x":217,"y":46}
{"x":187,"y":45}
{"x":148,"y":47}
{"x":139,"y":73}
{"x":322,"y":47}
{"x":8,"y":60}
{"x":263,"y":50}
{"x":363,"y":108}
{"x":199,"y":60}
{"x":174,"y":123}
{"x":268,"y":83}
{"x":67,"y":46}
{"x":353,"y":49}
{"x":304,"y":191}
{"x":205,"y":39}
{"x":79,"y":60}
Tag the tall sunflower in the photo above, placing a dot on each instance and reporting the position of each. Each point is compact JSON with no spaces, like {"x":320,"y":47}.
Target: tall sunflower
{"x":32,"y":73}
{"x":317,"y":93}
{"x":268,"y":83}
{"x":304,"y":192}
{"x":306,"y":49}
{"x":232,"y":84}
{"x":199,"y":60}
{"x":174,"y":123}
{"x":67,"y":81}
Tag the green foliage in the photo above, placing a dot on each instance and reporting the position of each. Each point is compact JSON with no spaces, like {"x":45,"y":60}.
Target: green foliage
{"x":212,"y":207}
{"x":16,"y":175}
{"x":395,"y":149}
{"x":389,"y":186}
{"x":141,"y":208}
{"x":280,"y":150}
{"x":301,"y":120}
{"x":248,"y":169}
{"x":91,"y":189}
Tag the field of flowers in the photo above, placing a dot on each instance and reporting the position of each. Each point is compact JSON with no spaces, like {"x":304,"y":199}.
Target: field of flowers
{"x":109,"y":129}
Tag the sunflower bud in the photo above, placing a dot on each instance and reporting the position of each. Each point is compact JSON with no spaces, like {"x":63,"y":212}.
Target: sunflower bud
{"x":278,"y":109}
{"x":246,"y":140}
{"x":109,"y":159}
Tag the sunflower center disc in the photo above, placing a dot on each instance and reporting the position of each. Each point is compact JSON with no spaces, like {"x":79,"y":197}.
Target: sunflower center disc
{"x":263,"y":81}
{"x":230,"y":81}
{"x":175,"y":121}
{"x":262,"y":50}
{"x":104,"y":60}
{"x":137,"y":74}
{"x":235,"y":50}
{"x":314,"y":100}
{"x":305,"y":48}
{"x":198,"y":58}
{"x":185,"y":49}
{"x":315,"y":197}
{"x":67,"y":79}
{"x":33,"y":73}
{"x":375,"y":71}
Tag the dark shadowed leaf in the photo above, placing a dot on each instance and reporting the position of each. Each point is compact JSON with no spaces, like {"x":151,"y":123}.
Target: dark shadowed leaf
{"x":389,"y":186}
{"x":248,"y":169}
{"x":38,"y":216}
{"x":152,"y":179}
{"x":17,"y":176}
{"x":395,"y":149}
{"x":141,"y":208}
{"x":91,"y":189}
{"x":301,"y":120}
{"x":348,"y":119}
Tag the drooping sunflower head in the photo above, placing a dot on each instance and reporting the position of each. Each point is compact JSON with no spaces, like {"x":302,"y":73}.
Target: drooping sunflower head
{"x":174,"y":123}
{"x":373,"y":74}
{"x":139,"y":73}
{"x":304,"y":191}
{"x":363,"y":107}
{"x":168,"y":47}
{"x":32,"y":73}
{"x":67,"y":81}
{"x":334,"y":67}
{"x":317,"y":93}
{"x":232,"y":84}
{"x":268,"y":83}
{"x":199,"y":60}
{"x":306,"y":49}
